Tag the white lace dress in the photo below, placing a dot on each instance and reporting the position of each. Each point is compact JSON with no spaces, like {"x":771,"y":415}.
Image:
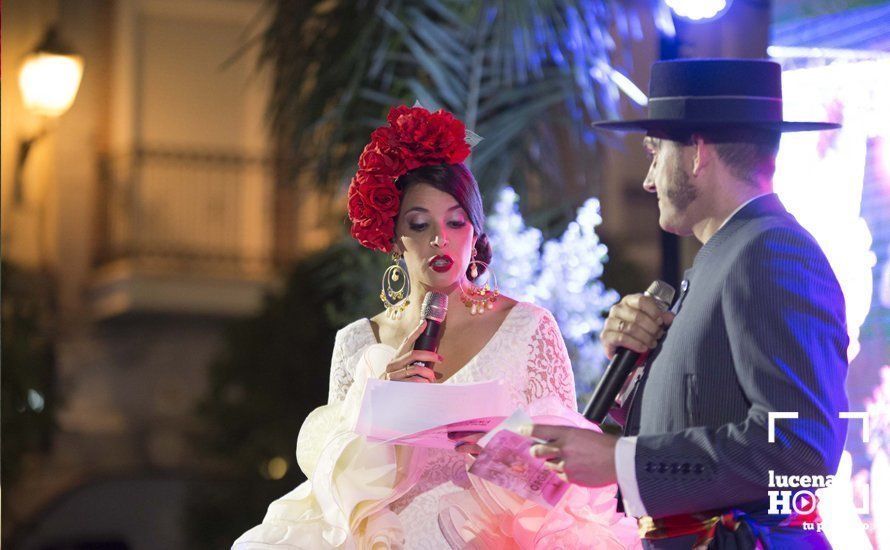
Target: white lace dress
{"x":527,"y":352}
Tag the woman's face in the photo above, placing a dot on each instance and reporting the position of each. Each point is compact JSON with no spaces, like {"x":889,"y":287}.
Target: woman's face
{"x":435,"y":236}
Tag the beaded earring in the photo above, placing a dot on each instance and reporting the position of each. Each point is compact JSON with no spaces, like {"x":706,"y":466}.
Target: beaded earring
{"x":395,"y":288}
{"x":479,"y":296}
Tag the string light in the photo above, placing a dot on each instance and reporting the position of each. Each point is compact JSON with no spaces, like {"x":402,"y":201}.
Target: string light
{"x":561,"y":275}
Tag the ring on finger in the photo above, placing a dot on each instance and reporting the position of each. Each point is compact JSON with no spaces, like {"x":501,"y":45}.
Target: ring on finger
{"x":542,"y":451}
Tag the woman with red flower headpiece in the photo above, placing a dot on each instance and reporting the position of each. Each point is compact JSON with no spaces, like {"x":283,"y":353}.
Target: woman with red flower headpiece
{"x":413,"y":198}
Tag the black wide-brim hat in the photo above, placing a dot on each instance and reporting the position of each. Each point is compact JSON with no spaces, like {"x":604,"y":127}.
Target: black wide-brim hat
{"x":691,"y":95}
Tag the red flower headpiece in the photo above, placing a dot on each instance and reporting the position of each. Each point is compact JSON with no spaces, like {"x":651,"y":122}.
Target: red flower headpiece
{"x":413,"y":138}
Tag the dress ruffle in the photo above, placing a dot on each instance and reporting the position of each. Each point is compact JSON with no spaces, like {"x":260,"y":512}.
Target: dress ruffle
{"x":489,"y":517}
{"x":350,"y":484}
{"x":344,"y":502}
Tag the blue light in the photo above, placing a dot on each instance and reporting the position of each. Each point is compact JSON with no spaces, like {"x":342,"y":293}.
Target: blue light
{"x":699,"y":11}
{"x":35,"y":400}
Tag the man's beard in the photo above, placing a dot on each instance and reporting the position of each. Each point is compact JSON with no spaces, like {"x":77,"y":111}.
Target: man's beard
{"x":681,"y":193}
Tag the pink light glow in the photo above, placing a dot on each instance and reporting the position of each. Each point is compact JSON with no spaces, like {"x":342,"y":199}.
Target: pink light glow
{"x":820,"y":177}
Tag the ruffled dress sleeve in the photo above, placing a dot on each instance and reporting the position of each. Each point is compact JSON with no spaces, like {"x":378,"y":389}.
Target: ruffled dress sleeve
{"x":343,"y":503}
{"x":342,"y":375}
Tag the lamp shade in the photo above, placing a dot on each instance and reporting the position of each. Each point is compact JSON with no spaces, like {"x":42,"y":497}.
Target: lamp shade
{"x":50,"y":77}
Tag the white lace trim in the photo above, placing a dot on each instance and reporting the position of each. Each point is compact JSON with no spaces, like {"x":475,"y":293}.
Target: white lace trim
{"x":349,"y":344}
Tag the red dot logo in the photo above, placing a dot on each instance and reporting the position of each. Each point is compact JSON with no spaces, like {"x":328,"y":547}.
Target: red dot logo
{"x":804,"y":503}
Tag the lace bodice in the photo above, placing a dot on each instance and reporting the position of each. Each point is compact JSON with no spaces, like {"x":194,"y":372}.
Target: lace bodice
{"x":527,"y":351}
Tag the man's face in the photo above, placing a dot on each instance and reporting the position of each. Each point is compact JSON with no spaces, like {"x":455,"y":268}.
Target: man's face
{"x":670,"y":180}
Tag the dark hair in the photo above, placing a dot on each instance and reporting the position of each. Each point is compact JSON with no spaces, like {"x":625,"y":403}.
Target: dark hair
{"x":750,"y":161}
{"x":457,"y":181}
{"x":749,"y":153}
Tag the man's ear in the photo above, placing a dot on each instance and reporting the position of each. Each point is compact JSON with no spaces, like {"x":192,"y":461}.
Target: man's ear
{"x":703,"y":154}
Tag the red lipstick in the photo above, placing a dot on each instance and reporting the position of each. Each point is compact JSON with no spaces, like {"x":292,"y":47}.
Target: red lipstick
{"x":441,"y":263}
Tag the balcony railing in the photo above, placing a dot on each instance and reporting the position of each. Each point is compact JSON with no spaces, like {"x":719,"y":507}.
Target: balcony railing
{"x":188,"y":211}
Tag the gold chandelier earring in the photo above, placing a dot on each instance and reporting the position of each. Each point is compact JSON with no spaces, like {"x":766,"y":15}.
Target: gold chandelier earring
{"x":480,"y":294}
{"x":395,"y":288}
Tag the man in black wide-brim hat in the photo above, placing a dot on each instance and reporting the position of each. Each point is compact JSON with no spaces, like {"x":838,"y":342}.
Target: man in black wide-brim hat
{"x":757,"y":328}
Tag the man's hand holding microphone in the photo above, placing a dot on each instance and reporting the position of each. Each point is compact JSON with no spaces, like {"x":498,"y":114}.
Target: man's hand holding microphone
{"x":634,"y":327}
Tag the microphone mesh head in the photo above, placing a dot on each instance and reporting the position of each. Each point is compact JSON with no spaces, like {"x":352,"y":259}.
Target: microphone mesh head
{"x":435,"y":306}
{"x":663,"y":294}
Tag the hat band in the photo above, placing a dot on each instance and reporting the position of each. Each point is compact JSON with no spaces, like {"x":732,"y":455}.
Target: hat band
{"x":716,"y":108}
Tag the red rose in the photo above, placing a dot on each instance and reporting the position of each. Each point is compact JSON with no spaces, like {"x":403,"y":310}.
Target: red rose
{"x":402,"y":110}
{"x":365,"y":179}
{"x":383,"y":136}
{"x":429,"y":138}
{"x":372,"y":202}
{"x":452,"y":137}
{"x":410,"y":126}
{"x":383,"y":153}
{"x":386,"y":140}
{"x":357,"y":206}
{"x":449,"y":138}
{"x":374,"y":160}
{"x":375,"y":237}
{"x":385,"y":199}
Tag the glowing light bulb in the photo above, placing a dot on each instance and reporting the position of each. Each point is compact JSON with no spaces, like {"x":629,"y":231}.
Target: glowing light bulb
{"x":699,"y":11}
{"x":49,"y":82}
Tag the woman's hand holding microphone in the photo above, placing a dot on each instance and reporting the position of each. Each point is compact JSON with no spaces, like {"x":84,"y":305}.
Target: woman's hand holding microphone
{"x":403,"y":369}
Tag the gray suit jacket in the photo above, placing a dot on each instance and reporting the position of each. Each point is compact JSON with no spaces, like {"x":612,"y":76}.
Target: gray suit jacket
{"x":760,"y":327}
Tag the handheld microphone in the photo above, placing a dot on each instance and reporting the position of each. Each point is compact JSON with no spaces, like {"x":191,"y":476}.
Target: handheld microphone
{"x":623,"y":363}
{"x":434,"y":309}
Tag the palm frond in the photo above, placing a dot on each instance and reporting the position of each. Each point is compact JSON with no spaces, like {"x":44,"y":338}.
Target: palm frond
{"x":517,"y":72}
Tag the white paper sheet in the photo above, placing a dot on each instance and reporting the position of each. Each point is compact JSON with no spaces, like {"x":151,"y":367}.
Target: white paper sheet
{"x":391,"y":410}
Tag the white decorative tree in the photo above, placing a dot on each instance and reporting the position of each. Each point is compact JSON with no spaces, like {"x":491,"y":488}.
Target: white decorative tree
{"x":561,"y":275}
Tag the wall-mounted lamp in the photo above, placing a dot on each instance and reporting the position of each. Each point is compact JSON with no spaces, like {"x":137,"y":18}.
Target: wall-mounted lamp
{"x":49,"y":79}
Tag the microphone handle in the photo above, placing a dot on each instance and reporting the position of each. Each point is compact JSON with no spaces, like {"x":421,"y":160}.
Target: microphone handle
{"x":623,"y":363}
{"x":429,"y":340}
{"x":610,"y":384}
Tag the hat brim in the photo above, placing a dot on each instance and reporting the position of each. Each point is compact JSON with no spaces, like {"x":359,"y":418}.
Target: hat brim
{"x":672,"y":125}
